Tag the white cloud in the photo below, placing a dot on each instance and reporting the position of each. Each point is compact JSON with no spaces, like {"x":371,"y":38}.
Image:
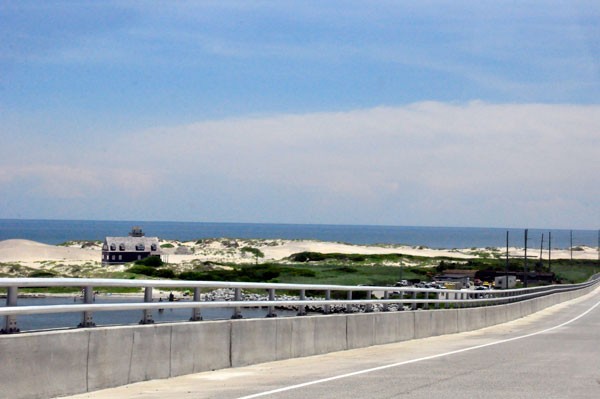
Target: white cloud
{"x":72,"y":182}
{"x":424,"y":163}
{"x":444,"y":146}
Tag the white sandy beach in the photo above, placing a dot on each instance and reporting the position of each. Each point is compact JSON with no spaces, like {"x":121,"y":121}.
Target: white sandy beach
{"x":32,"y":254}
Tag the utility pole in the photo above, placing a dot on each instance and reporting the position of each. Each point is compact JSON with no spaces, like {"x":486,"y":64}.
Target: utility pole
{"x":598,"y":252}
{"x":506,"y":263}
{"x":571,"y":246}
{"x":541,"y":249}
{"x":525,"y":263}
{"x":549,"y":252}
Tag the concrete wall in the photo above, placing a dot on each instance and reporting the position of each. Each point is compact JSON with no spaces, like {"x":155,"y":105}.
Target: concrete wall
{"x":49,"y":364}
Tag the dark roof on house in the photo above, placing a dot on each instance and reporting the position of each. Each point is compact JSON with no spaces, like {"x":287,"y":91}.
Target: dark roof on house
{"x":131,"y":242}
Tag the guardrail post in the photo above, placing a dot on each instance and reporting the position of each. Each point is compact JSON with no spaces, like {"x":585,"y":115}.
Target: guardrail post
{"x":302,"y":308}
{"x":437,"y":296}
{"x":426,"y":304}
{"x":349,"y":306}
{"x":386,"y":295}
{"x":327,"y":308}
{"x":196,"y":315}
{"x":87,"y":319}
{"x":271,"y":312}
{"x":401,"y":305}
{"x":369,"y":307}
{"x":237,"y":311}
{"x":457,"y":297}
{"x":147,"y":313}
{"x":414,"y":304}
{"x":10,"y":323}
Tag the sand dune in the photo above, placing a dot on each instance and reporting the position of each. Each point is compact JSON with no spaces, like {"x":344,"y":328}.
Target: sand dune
{"x":292,"y":247}
{"x":32,"y":253}
{"x":27,"y":251}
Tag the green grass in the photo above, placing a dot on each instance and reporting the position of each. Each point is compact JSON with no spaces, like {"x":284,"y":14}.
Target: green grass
{"x":308,"y":268}
{"x":308,"y":257}
{"x":351,"y":275}
{"x":576,"y":272}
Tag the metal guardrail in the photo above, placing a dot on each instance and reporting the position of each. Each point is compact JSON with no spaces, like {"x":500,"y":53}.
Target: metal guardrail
{"x":401,"y":296}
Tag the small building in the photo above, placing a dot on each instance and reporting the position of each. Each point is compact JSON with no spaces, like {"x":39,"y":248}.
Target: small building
{"x":134,"y":247}
{"x":500,"y":281}
{"x":458,"y":278}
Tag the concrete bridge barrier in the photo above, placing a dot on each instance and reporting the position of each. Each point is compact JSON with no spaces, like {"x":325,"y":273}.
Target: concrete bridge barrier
{"x":55,"y":363}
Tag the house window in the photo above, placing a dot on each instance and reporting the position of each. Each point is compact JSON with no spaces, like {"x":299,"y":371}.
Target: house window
{"x":121,"y":247}
{"x":120,"y":257}
{"x":113,"y":247}
{"x":113,"y":257}
{"x":139,"y":257}
{"x":140,"y":247}
{"x":153,"y":247}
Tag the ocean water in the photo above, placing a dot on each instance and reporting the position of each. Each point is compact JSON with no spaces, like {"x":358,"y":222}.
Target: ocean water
{"x":58,"y":231}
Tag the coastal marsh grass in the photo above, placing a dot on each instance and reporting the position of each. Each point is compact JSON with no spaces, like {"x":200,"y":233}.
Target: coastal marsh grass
{"x":352,"y":275}
{"x":366,"y":259}
{"x":576,"y":272}
{"x":301,"y":268}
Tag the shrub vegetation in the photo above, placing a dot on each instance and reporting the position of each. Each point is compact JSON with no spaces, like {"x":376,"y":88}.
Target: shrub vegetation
{"x":153,"y":261}
{"x":254,"y":251}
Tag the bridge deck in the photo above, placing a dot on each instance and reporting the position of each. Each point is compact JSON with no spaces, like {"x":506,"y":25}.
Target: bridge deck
{"x":533,"y":357}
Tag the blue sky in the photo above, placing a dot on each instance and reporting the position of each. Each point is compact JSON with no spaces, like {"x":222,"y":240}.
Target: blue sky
{"x":403,"y":113}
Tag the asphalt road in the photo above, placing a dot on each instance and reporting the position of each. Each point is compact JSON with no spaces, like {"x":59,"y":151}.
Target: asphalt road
{"x":552,"y":354}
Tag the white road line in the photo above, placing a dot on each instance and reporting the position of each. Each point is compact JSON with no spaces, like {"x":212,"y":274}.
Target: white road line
{"x":387,"y":366}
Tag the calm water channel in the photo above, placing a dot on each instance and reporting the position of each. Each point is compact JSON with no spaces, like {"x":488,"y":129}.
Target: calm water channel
{"x":70,"y":320}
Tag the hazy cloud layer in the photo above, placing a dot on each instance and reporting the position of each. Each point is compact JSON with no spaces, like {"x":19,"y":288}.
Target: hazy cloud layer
{"x":428,"y":163}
